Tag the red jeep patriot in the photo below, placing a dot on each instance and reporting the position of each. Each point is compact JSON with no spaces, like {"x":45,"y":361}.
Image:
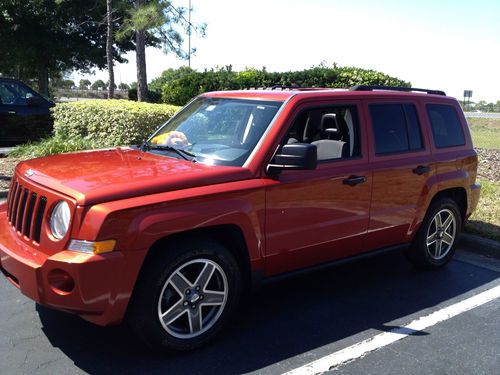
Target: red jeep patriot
{"x":238,"y":186}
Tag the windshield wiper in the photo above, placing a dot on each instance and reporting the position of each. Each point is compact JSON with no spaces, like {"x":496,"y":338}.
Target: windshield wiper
{"x":186,"y":155}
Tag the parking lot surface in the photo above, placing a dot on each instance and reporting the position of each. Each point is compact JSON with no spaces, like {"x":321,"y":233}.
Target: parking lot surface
{"x":288,"y":325}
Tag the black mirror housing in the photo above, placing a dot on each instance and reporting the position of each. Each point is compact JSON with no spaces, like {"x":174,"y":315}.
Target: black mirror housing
{"x":34,"y":101}
{"x":295,"y":156}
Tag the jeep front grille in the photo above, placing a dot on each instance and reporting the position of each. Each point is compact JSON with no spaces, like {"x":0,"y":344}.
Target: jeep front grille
{"x":25,"y":210}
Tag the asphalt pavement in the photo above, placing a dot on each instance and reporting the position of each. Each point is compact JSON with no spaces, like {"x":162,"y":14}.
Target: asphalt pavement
{"x":286,"y":326}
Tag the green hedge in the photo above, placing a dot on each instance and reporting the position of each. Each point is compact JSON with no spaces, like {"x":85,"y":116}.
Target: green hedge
{"x":109,"y":122}
{"x":178,"y":86}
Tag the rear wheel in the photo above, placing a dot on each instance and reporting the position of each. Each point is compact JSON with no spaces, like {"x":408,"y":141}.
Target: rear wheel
{"x":185,"y":296}
{"x":435,"y":242}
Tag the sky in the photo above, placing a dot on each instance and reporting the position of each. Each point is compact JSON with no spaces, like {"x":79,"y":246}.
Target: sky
{"x":438,"y":44}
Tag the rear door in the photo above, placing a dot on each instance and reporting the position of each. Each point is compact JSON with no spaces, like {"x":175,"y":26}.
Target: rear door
{"x":313,"y":216}
{"x":402,"y":168}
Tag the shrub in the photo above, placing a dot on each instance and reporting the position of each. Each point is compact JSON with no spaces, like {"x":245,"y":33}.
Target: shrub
{"x":179,"y":86}
{"x":105,"y":123}
{"x":153,"y":96}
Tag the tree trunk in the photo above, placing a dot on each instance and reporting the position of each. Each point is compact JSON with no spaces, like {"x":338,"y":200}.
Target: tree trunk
{"x":43,"y":79}
{"x":109,"y":50}
{"x":140,"y":51}
{"x":140,"y":55}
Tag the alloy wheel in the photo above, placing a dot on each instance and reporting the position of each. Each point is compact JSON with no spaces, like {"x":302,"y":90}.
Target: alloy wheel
{"x":441,"y":234}
{"x":193,"y":298}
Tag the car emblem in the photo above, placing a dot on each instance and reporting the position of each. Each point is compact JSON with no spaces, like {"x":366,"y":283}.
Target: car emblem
{"x":29,"y":173}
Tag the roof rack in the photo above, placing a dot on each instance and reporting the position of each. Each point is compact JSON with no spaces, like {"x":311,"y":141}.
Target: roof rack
{"x":293,"y":87}
{"x":395,"y":88}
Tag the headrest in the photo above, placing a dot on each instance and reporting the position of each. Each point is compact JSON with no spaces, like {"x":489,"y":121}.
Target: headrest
{"x":329,"y":123}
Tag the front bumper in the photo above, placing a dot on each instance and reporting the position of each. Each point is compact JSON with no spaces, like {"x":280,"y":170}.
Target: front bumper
{"x":103,"y":283}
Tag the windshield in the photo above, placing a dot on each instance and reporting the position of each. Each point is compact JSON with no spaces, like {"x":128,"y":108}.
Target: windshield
{"x":218,"y":131}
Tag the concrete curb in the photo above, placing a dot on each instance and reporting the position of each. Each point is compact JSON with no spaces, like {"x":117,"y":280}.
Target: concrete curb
{"x":480,"y":245}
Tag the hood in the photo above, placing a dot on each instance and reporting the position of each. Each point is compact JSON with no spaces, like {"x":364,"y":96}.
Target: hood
{"x":92,"y":177}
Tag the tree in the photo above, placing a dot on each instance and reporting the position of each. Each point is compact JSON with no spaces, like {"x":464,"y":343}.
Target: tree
{"x":123,"y":86}
{"x":114,"y":86}
{"x":162,"y":24}
{"x":64,"y":84}
{"x":99,"y":84}
{"x":42,"y":38}
{"x":84,"y":84}
{"x":109,"y":48}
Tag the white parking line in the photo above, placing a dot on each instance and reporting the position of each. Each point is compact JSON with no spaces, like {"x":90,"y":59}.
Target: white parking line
{"x":362,"y":348}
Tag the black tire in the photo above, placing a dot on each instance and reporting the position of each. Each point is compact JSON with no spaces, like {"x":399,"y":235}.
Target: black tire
{"x":430,"y":255}
{"x":164,"y":274}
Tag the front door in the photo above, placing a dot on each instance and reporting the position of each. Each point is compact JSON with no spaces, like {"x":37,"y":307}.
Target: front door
{"x":313,"y":216}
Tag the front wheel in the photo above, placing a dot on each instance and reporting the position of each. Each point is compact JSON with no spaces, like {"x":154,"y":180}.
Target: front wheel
{"x":435,"y":242}
{"x":185,"y":295}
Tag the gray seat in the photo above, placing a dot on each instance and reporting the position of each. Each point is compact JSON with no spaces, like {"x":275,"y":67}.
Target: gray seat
{"x":329,"y":149}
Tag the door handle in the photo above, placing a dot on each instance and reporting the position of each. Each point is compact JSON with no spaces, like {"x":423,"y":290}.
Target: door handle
{"x":421,"y":169}
{"x":354,"y":180}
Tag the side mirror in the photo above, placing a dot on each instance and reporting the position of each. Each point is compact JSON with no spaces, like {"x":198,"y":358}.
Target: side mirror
{"x":34,"y":101}
{"x":295,"y":156}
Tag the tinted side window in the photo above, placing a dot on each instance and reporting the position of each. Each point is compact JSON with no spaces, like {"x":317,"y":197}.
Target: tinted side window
{"x":395,"y":127}
{"x":446,"y":127}
{"x":13,"y":93}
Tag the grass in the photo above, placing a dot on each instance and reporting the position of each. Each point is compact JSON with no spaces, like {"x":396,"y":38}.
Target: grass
{"x":485,"y":132}
{"x":50,"y":146}
{"x":485,"y":220}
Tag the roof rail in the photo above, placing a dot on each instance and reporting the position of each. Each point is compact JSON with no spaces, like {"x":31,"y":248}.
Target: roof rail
{"x":298,"y":88}
{"x":394,"y":88}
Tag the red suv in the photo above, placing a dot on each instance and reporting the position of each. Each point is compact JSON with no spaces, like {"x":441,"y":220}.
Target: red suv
{"x":237,"y":187}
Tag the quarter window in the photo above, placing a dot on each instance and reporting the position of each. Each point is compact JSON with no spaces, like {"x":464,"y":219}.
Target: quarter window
{"x":446,"y":127}
{"x":396,"y":128}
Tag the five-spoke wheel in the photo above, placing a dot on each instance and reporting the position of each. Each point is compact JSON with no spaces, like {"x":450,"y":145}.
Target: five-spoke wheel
{"x":435,"y":242}
{"x":185,"y":294}
{"x":193,"y":298}
{"x":441,"y":234}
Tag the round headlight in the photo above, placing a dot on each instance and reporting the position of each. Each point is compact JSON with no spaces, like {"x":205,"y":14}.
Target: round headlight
{"x":59,"y":220}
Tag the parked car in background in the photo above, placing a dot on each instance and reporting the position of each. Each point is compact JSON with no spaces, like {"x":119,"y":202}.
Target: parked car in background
{"x":24,"y":114}
{"x":237,"y":187}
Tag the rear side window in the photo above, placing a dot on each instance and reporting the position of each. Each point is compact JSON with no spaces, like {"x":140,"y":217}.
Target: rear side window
{"x":446,"y":127}
{"x":396,"y":128}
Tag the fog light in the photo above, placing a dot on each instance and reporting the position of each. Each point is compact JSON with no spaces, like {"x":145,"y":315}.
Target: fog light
{"x":61,"y":281}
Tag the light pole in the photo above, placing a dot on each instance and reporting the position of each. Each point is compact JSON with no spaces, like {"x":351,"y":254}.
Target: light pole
{"x":189,"y":34}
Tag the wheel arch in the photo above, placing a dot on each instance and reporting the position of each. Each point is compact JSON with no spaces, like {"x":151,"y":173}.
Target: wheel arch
{"x":228,"y":235}
{"x":458,"y":194}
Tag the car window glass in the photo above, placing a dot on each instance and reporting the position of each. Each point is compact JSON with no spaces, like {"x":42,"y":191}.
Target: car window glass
{"x":396,"y":128}
{"x":334,"y":130}
{"x":14,"y":93}
{"x":414,"y":135}
{"x":446,"y":127}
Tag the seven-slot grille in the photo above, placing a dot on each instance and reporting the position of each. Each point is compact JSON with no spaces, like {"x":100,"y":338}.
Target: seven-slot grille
{"x":25,"y":211}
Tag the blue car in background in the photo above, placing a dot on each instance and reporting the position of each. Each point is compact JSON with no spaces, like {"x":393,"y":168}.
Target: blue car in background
{"x":24,"y":114}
